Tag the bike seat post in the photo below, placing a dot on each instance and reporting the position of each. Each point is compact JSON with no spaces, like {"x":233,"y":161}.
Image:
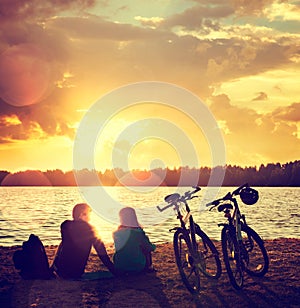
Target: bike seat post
{"x":243,"y":217}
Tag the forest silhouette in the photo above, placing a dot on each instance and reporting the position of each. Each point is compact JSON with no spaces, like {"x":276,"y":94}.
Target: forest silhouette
{"x":272,"y":174}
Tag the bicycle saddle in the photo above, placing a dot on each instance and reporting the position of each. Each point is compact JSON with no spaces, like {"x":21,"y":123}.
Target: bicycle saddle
{"x":172,"y":198}
{"x":224,"y":206}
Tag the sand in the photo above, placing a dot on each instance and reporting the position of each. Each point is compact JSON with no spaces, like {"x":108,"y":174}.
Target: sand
{"x":164,"y":288}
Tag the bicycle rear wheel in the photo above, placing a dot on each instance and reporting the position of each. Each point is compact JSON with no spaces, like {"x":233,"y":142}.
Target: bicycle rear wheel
{"x":189,"y":273}
{"x":255,"y":256}
{"x":231,"y":255}
{"x":209,"y":261}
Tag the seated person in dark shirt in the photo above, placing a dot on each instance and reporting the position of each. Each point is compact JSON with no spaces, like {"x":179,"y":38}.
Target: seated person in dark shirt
{"x":78,"y":237}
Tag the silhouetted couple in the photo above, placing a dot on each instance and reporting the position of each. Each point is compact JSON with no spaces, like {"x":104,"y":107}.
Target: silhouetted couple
{"x":132,"y":246}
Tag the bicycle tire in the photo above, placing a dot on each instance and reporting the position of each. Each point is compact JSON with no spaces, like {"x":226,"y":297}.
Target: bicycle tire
{"x":231,"y":256}
{"x":257,"y":261}
{"x":210,"y":264}
{"x":190,"y":274}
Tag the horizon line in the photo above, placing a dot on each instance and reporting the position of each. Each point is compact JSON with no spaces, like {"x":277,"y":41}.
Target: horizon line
{"x":163,"y":168}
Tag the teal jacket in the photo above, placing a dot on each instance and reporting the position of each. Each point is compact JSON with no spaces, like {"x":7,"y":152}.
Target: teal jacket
{"x":131,"y":246}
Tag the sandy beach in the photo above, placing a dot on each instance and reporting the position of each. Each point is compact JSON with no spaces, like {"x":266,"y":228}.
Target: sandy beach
{"x":279,"y":288}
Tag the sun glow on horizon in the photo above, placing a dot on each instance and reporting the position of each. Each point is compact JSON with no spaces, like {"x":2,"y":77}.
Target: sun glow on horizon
{"x":144,"y":134}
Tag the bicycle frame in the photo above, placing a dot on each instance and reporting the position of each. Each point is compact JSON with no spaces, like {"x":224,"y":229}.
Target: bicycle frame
{"x":183,"y":221}
{"x":235,"y":219}
{"x":185,"y":218}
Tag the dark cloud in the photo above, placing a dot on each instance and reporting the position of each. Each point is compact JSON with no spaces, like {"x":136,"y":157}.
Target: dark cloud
{"x":36,"y":9}
{"x":289,"y":113}
{"x":253,"y":7}
{"x":12,"y":131}
{"x":95,"y":27}
{"x":33,"y":60}
{"x":235,"y":57}
{"x":261,"y":96}
{"x":36,"y":121}
{"x":194,"y":17}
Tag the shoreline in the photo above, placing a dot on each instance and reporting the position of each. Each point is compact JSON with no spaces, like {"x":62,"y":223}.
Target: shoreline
{"x":164,"y":288}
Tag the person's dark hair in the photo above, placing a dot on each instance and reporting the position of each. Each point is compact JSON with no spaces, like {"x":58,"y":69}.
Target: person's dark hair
{"x":78,"y":209}
{"x":128,"y":217}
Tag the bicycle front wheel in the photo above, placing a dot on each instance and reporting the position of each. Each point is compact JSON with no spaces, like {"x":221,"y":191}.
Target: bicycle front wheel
{"x":209,"y":261}
{"x":185,"y":261}
{"x":255,"y":255}
{"x":231,"y":255}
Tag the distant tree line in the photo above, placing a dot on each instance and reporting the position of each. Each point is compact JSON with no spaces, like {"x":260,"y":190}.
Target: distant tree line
{"x":272,"y":174}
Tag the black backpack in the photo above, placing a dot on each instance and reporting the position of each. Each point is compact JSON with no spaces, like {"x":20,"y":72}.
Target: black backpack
{"x":31,"y":260}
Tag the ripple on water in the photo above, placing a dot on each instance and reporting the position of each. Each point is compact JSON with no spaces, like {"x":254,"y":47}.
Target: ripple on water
{"x":41,"y":210}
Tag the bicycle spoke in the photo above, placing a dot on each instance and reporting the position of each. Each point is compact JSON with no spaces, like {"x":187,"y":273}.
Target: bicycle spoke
{"x":185,"y":262}
{"x":232,"y":258}
{"x":254,"y":255}
{"x":208,"y":260}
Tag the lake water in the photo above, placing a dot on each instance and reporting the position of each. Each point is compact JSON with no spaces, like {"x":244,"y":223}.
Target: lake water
{"x":41,"y":210}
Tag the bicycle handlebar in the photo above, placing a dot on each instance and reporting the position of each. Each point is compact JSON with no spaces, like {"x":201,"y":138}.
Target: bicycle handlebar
{"x":188,"y":194}
{"x":227,"y":197}
{"x":173,"y":199}
{"x":238,"y":190}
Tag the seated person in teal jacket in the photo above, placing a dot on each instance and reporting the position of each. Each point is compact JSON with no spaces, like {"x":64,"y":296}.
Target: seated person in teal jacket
{"x":132,"y":246}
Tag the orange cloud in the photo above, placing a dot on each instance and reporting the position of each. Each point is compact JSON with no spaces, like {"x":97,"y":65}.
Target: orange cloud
{"x":255,"y":7}
{"x":19,"y":9}
{"x":256,"y":137}
{"x":289,"y":113}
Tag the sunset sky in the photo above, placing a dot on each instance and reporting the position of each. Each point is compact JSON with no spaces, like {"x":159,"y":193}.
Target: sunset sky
{"x":59,"y":57}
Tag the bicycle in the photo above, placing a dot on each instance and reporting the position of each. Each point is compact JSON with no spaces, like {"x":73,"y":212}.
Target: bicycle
{"x":243,"y":249}
{"x":194,"y":251}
